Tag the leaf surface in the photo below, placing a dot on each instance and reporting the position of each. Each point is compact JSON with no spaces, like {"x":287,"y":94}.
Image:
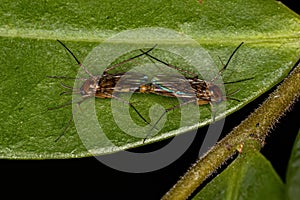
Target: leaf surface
{"x":29,"y":53}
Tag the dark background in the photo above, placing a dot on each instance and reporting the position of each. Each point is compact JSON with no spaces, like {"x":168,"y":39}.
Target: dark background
{"x":88,"y":178}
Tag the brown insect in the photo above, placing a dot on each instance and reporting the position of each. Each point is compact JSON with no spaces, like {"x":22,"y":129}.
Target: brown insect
{"x":101,"y":86}
{"x":206,"y":92}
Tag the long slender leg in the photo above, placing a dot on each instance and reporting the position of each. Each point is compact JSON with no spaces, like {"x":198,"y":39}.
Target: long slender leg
{"x":68,"y":103}
{"x":61,"y":106}
{"x":237,"y":81}
{"x":130,"y":104}
{"x":166,"y":111}
{"x":168,"y":65}
{"x":129,"y":59}
{"x":66,"y":77}
{"x":185,"y":71}
{"x":213,"y":112}
{"x":71,"y":118}
{"x":79,"y":102}
{"x":65,"y":129}
{"x":230,"y":94}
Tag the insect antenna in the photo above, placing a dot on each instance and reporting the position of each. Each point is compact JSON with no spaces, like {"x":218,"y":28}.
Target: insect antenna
{"x":78,"y":62}
{"x":225,"y":66}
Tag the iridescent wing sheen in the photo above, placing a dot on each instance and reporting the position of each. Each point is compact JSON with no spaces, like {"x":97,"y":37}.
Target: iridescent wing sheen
{"x":173,"y":86}
{"x":124,"y":82}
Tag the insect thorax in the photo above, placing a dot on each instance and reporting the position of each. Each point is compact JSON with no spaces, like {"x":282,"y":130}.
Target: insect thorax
{"x":206,"y":91}
{"x":89,"y":87}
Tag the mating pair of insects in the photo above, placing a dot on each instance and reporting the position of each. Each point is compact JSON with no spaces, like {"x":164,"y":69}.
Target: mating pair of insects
{"x":201,"y":91}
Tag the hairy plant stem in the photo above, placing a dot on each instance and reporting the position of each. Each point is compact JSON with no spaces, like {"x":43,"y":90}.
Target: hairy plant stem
{"x":254,"y":128}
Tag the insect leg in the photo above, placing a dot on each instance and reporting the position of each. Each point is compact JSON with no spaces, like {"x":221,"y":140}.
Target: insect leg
{"x":129,"y":59}
{"x":68,"y":103}
{"x":61,"y":106}
{"x":241,"y":80}
{"x":169,"y":65}
{"x":230,"y":94}
{"x":213,"y":112}
{"x":71,"y":118}
{"x":165,"y":112}
{"x":66,"y":77}
{"x":130,"y":104}
{"x":65,"y":129}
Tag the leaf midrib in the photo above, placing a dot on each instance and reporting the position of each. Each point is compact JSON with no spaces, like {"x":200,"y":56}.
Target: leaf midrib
{"x":99,"y":36}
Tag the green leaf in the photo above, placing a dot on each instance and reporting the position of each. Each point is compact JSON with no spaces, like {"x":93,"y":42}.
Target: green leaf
{"x":29,"y":53}
{"x":293,"y":172}
{"x":250,"y":176}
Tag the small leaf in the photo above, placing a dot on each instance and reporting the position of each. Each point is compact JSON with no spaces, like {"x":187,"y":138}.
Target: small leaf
{"x":250,"y":176}
{"x":293,"y":172}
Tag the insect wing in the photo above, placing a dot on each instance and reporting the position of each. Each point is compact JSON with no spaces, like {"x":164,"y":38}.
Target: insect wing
{"x":173,"y":86}
{"x":130,"y":81}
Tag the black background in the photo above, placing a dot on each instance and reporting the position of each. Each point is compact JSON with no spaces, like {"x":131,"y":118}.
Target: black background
{"x":88,"y":178}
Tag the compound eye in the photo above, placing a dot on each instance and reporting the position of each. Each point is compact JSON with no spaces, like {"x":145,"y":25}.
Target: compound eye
{"x":216,"y":94}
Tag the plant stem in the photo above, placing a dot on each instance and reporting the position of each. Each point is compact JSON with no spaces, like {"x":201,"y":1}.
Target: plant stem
{"x":255,"y":127}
